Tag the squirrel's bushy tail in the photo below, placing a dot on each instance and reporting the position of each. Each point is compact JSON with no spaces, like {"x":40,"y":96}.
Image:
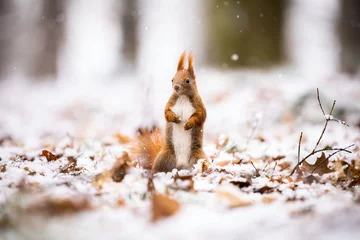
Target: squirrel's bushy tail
{"x":146,"y":147}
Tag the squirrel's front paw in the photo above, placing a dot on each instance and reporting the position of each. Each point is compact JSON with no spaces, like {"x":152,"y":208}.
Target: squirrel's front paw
{"x":188,"y":125}
{"x":176,"y":120}
{"x":171,"y":117}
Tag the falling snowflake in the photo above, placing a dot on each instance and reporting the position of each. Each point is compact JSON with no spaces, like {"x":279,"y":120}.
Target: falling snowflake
{"x":234,"y":57}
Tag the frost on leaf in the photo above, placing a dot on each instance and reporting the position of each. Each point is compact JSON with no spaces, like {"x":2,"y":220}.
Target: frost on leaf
{"x":163,"y":206}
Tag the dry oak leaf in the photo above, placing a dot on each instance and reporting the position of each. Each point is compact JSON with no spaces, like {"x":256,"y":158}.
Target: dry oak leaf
{"x":60,"y":206}
{"x":232,"y":200}
{"x":320,"y":166}
{"x":163,"y":206}
{"x":188,"y":178}
{"x":49,"y":156}
{"x":121,"y":167}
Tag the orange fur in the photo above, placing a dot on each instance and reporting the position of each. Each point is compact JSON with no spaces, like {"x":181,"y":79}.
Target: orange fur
{"x":147,"y":146}
{"x":181,"y":64}
{"x":190,"y":64}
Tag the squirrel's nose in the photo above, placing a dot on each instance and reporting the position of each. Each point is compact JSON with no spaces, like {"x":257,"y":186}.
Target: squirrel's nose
{"x":176,"y":87}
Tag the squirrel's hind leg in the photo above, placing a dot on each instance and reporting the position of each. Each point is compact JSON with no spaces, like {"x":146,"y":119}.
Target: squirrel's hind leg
{"x":164,"y":162}
{"x":197,"y":154}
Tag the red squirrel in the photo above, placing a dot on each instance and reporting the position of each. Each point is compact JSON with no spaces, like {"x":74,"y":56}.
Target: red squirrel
{"x":185,"y":116}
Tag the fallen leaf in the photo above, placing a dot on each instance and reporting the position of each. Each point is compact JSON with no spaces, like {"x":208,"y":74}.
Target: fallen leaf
{"x":163,"y":206}
{"x":3,"y":168}
{"x":49,"y":156}
{"x":60,"y":206}
{"x":31,"y":173}
{"x":184,"y":182}
{"x":320,"y":166}
{"x":121,"y":167}
{"x":264,"y":189}
{"x":241,"y":183}
{"x":120,"y":203}
{"x":232,"y":200}
{"x":268,"y":199}
{"x":278,"y":157}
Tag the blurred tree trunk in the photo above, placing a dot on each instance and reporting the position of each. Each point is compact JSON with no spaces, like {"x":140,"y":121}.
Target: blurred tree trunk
{"x":129,"y":23}
{"x":245,"y":32}
{"x":349,"y":31}
{"x":5,"y":40}
{"x":50,"y":26}
{"x":30,"y":36}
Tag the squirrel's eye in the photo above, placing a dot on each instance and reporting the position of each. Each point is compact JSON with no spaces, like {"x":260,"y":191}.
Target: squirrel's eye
{"x":187,"y":81}
{"x":172,"y":80}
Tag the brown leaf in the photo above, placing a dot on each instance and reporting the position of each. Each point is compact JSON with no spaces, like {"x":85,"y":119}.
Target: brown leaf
{"x":320,"y":166}
{"x":102,"y":178}
{"x":233,"y":200}
{"x":241,"y":184}
{"x":264,"y":189}
{"x":60,"y":206}
{"x":278,"y":157}
{"x":49,"y":156}
{"x":31,"y":173}
{"x":120,"y":203}
{"x":184,"y":178}
{"x":268,"y":199}
{"x":163,"y":206}
{"x":71,"y":167}
{"x":121,"y":167}
{"x":353,"y":171}
{"x":3,"y":168}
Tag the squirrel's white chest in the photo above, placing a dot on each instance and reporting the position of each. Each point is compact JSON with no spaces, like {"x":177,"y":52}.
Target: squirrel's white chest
{"x":183,"y":108}
{"x":182,"y":138}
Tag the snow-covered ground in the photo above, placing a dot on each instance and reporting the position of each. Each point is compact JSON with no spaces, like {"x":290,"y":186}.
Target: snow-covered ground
{"x":254,"y":117}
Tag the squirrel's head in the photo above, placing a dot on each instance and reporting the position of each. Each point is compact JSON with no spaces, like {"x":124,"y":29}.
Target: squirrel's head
{"x":184,"y":82}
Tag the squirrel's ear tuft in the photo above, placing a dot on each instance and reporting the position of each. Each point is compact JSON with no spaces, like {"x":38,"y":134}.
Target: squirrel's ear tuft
{"x":190,"y":64}
{"x":181,"y":64}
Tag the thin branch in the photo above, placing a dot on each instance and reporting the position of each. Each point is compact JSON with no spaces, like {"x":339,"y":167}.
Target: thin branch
{"x":318,"y":97}
{"x":298,"y":160}
{"x":257,"y":170}
{"x":274,"y":169}
{"x":326,"y":122}
{"x":328,"y":118}
{"x":317,"y":151}
{"x":326,"y":159}
{"x":339,"y":121}
{"x":264,"y":168}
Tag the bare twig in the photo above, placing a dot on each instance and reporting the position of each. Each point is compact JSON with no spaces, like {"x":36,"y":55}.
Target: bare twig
{"x":339,"y":121}
{"x":318,"y":97}
{"x":257,"y":170}
{"x":328,"y":118}
{"x":332,"y":154}
{"x":317,"y":151}
{"x":274,"y":169}
{"x":299,"y":147}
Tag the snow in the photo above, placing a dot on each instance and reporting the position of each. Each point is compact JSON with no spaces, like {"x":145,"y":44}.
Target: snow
{"x":253,"y":113}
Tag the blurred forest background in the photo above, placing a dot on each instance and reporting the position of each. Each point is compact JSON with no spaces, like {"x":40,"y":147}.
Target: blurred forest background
{"x":82,"y":40}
